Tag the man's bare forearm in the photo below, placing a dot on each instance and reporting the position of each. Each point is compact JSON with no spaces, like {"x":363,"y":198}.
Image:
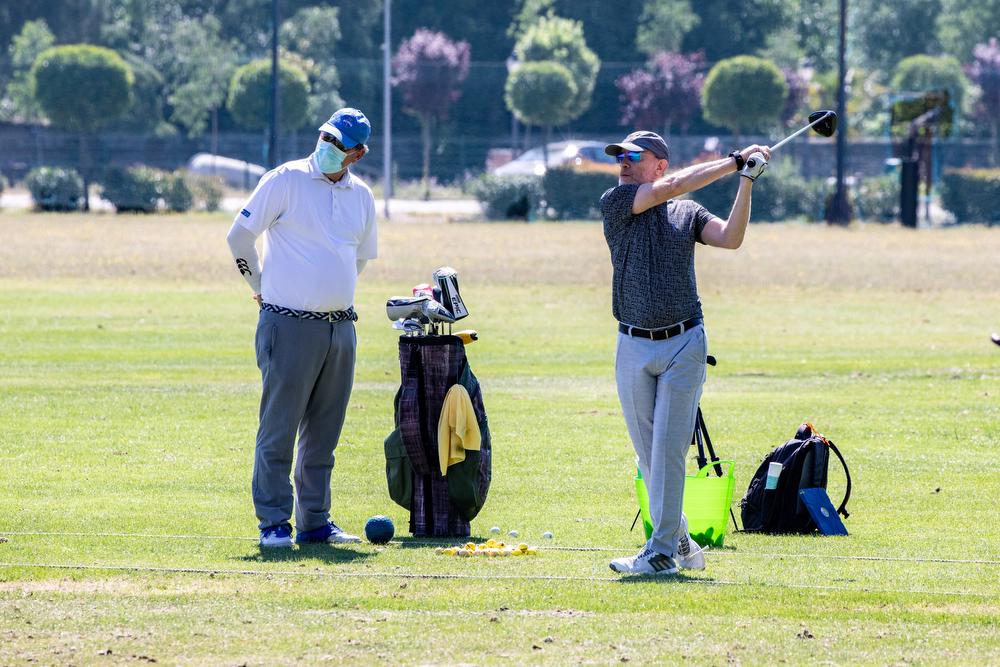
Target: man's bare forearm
{"x":691,"y":178}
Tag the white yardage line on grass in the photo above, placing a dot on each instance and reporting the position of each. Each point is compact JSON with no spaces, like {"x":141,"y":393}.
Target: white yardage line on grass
{"x":447,"y":542}
{"x":478,"y":577}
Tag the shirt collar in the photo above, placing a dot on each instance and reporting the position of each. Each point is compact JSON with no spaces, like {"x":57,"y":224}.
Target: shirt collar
{"x":347,"y":182}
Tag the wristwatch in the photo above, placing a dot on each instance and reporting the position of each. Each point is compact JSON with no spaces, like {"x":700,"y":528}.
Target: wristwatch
{"x":736,"y":155}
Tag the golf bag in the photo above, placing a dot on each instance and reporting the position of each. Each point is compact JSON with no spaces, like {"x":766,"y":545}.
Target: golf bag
{"x":804,"y":461}
{"x":440,"y":505}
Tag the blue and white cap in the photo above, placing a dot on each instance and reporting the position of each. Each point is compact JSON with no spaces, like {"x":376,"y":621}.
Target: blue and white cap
{"x":350,"y":126}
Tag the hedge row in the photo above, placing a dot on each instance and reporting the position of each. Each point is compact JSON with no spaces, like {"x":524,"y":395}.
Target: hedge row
{"x":570,"y":194}
{"x":781,"y":193}
{"x":130,"y":190}
{"x":972,"y":195}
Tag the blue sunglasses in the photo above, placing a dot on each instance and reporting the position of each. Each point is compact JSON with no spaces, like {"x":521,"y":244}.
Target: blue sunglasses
{"x":633,"y":156}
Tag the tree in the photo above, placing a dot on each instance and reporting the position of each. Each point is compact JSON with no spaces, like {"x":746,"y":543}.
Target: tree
{"x":744,"y":93}
{"x":145,"y":113}
{"x":663,"y":94}
{"x":249,"y":100}
{"x":199,"y":74}
{"x":663,"y":24}
{"x":81,"y":88}
{"x":985,"y":73}
{"x":542,"y":93}
{"x":963,"y":24}
{"x":20,"y":103}
{"x":430,"y":69}
{"x":727,"y":28}
{"x":925,"y":73}
{"x":560,"y":40}
{"x":817,"y":24}
{"x":798,"y":94}
{"x":888,"y":32}
{"x":312,"y":34}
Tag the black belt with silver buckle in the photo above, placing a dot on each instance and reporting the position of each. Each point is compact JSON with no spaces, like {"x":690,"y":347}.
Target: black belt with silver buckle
{"x":329,"y":316}
{"x":660,"y":334}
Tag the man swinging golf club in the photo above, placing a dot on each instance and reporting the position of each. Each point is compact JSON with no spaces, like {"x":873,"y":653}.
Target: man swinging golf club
{"x":661,"y":353}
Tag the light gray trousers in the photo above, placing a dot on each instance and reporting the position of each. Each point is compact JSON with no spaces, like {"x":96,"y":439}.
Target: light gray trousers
{"x":659,"y":386}
{"x":307,"y":372}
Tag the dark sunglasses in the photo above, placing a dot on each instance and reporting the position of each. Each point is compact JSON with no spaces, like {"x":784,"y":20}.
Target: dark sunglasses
{"x":633,"y":156}
{"x":330,"y":139}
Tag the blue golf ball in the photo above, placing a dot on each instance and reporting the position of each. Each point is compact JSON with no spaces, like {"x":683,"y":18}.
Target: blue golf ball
{"x":379,"y":529}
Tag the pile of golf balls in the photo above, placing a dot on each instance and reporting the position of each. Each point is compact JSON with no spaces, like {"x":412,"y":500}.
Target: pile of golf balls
{"x":489,"y":548}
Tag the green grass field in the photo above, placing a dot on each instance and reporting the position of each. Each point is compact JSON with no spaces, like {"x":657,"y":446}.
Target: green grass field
{"x":128,"y":406}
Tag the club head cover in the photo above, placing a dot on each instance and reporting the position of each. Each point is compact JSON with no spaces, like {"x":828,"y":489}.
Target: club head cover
{"x":434,"y":311}
{"x":403,"y":307}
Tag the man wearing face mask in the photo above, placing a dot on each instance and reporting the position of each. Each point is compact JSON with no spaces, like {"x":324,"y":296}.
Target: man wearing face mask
{"x":318,"y":223}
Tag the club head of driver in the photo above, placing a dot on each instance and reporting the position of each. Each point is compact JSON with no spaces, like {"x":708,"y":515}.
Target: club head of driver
{"x":827,"y":122}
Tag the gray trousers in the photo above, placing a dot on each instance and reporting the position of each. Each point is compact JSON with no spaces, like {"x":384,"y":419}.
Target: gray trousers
{"x":307,"y":371}
{"x":659,"y":386}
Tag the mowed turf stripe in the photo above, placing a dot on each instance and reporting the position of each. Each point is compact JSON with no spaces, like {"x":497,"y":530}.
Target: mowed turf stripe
{"x":479,"y":577}
{"x":446,"y":542}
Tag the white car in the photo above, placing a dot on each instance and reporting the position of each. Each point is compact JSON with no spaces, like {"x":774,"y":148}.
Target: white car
{"x":583,"y":155}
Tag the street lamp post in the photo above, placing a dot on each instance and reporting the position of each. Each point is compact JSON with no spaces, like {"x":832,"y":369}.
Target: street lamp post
{"x":387,"y":108}
{"x":272,"y":144}
{"x":839,"y":212}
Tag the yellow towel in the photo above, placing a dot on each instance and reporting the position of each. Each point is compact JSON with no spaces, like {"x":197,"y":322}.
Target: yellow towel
{"x":457,"y":428}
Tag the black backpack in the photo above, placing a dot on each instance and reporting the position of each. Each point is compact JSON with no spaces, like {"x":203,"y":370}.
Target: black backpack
{"x":804,"y":459}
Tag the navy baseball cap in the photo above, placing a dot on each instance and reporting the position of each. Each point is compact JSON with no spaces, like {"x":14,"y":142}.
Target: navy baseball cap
{"x":643,"y":140}
{"x":350,"y":126}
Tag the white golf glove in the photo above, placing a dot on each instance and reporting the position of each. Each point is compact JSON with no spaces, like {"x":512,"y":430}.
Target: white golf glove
{"x":754,"y":166}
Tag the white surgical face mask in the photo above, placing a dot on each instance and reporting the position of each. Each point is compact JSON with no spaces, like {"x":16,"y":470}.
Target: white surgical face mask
{"x":329,"y":158}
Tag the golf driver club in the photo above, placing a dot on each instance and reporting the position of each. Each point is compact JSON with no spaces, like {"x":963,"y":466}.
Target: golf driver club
{"x":823,"y":123}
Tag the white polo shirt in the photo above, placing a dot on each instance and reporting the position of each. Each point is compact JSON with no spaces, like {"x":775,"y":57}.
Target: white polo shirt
{"x":314,"y":233}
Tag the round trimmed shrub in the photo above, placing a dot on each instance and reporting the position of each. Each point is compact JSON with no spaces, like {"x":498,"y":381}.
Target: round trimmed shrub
{"x":176,"y":193}
{"x":744,"y":93}
{"x":134,"y":189}
{"x":55,"y":188}
{"x":877,"y":198}
{"x":249,"y":99}
{"x":81,"y":87}
{"x":507,"y":197}
{"x":207,"y":190}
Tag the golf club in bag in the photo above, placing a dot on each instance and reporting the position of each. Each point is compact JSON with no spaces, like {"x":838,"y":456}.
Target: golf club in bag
{"x":424,"y":309}
{"x":447,"y":280}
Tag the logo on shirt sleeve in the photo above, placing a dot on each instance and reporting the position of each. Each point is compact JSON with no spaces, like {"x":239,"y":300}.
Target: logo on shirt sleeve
{"x":245,"y":213}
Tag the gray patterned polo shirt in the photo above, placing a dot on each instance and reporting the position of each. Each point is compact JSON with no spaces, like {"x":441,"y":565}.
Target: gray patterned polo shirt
{"x":652,"y":255}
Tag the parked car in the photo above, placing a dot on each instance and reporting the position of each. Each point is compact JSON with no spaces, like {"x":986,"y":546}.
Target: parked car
{"x":235,"y":173}
{"x":583,"y":155}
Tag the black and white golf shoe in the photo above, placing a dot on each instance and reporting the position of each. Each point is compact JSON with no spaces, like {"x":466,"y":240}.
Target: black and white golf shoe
{"x":648,"y":562}
{"x":690,"y":556}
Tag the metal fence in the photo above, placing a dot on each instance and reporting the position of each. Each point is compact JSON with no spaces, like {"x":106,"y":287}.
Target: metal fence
{"x":454,"y":158}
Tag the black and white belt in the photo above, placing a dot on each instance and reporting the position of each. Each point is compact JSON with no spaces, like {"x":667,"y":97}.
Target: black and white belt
{"x":660,"y":334}
{"x":329,"y":316}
